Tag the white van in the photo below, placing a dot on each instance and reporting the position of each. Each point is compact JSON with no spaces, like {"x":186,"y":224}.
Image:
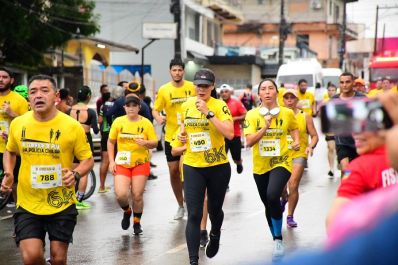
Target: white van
{"x":290,"y":73}
{"x":331,"y":75}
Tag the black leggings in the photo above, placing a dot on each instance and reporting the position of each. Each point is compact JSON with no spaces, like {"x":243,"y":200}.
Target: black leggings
{"x":196,"y":180}
{"x":270,"y":186}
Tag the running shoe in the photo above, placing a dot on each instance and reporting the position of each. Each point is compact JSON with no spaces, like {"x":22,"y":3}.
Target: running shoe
{"x":194,"y":261}
{"x":152,"y":176}
{"x":279,"y":250}
{"x":331,"y":175}
{"x":152,"y":164}
{"x":180,"y":213}
{"x":213,"y":246}
{"x":290,"y":222}
{"x":126,"y":220}
{"x":204,"y":238}
{"x":239,"y":168}
{"x":105,"y":190}
{"x":82,"y":206}
{"x":137,"y":229}
{"x":283,"y":204}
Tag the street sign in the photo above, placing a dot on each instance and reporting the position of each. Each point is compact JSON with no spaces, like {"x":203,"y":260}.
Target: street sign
{"x":159,"y":30}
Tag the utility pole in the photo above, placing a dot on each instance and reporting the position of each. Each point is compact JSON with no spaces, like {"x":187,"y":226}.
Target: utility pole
{"x":342,"y":36}
{"x":375,"y":40}
{"x":282,"y":36}
{"x":175,"y":9}
{"x":142,"y":59}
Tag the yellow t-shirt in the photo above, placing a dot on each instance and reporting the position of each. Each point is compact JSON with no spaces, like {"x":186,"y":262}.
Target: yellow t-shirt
{"x":205,"y":144}
{"x":46,"y":148}
{"x":124,"y":131}
{"x":272,"y":150}
{"x":303,"y":136}
{"x":306,"y":100}
{"x":176,"y":143}
{"x":374,"y":92}
{"x":280,"y":96}
{"x":19,"y":105}
{"x":170,"y":99}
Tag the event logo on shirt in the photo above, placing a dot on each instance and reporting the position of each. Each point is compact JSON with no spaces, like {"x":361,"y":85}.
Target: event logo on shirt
{"x":389,"y":177}
{"x":277,"y":160}
{"x":179,"y":100}
{"x":56,"y":199}
{"x":37,"y":147}
{"x":226,"y":110}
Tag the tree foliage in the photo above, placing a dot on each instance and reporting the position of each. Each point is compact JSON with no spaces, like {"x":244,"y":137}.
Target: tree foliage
{"x":29,"y":28}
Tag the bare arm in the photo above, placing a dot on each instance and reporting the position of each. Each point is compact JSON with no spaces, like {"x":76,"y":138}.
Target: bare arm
{"x":178,"y":151}
{"x":9,"y":160}
{"x":296,"y":139}
{"x":338,"y":203}
{"x":252,"y":139}
{"x":158,"y":117}
{"x":111,"y":155}
{"x":313,"y":134}
{"x":68,"y":179}
{"x":148,"y":144}
{"x":239,"y":118}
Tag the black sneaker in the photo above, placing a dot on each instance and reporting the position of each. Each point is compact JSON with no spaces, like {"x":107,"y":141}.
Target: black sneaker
{"x":193,"y":261}
{"x":330,"y":173}
{"x":204,"y":238}
{"x":126,"y":221}
{"x":137,"y":229}
{"x":152,"y":176}
{"x":239,"y":168}
{"x":212,"y":247}
{"x":152,"y":164}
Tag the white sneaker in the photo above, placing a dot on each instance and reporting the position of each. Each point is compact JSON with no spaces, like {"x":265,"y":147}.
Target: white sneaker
{"x":180,"y":213}
{"x":279,"y":249}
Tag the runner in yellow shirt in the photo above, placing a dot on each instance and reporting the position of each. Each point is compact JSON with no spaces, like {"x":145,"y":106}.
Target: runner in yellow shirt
{"x":170,"y":98}
{"x":306,"y":98}
{"x":266,"y":129}
{"x":11,"y":105}
{"x":135,"y":136}
{"x":47,"y":141}
{"x":206,"y":121}
{"x":375,"y":91}
{"x":306,"y":128}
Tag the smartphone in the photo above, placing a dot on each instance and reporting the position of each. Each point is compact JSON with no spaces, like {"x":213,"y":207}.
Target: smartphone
{"x":344,"y":117}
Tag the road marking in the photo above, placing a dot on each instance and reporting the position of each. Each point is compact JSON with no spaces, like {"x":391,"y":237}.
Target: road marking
{"x":176,"y":249}
{"x":6,"y":217}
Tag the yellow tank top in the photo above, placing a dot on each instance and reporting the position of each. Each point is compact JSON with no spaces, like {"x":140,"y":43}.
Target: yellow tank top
{"x":303,"y":136}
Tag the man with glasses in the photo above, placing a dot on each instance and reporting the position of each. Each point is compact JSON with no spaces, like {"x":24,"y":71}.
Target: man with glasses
{"x":238,"y":112}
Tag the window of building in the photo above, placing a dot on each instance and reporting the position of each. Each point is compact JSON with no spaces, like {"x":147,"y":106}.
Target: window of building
{"x":303,"y":40}
{"x":336,"y":13}
{"x":193,"y":25}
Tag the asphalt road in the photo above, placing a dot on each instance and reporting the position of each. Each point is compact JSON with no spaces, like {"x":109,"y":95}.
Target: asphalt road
{"x":99,"y":239}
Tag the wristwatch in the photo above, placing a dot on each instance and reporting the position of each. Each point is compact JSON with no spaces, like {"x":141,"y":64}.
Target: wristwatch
{"x":77,"y":175}
{"x":210,"y":115}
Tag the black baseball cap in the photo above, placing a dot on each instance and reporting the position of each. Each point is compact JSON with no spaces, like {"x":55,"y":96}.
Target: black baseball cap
{"x":204,"y":77}
{"x":132,"y":99}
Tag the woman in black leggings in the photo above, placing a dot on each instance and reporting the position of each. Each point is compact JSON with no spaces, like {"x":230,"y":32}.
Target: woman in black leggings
{"x":206,"y":121}
{"x":266,"y":129}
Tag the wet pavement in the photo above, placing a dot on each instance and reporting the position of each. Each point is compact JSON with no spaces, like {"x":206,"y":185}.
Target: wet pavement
{"x":245,"y":238}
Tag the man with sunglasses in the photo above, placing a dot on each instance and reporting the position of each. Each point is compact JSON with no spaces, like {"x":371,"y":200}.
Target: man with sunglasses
{"x":238,"y":112}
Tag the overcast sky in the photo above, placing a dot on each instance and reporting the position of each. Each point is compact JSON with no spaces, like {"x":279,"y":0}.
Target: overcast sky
{"x":364,"y":11}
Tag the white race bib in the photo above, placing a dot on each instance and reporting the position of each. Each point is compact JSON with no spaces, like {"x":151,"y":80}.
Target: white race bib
{"x":200,"y":141}
{"x":270,"y":147}
{"x":305,"y":103}
{"x":4,"y":126}
{"x":123,"y":158}
{"x":45,"y":177}
{"x":289,"y":140}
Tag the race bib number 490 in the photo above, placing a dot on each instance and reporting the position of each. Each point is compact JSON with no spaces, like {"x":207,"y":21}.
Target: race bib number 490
{"x":200,"y":141}
{"x":270,"y":147}
{"x":305,"y":103}
{"x":123,"y":158}
{"x":45,"y":177}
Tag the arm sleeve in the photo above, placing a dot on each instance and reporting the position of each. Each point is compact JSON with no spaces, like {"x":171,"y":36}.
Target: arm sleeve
{"x":223,"y":112}
{"x":249,"y":125}
{"x":352,"y":183}
{"x":82,"y":148}
{"x":12,"y":145}
{"x":94,"y":120}
{"x":151,"y":132}
{"x":114,"y":130}
{"x":159,"y":101}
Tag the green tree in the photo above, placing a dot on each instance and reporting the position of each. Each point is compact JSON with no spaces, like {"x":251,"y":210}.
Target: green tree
{"x":29,"y":28}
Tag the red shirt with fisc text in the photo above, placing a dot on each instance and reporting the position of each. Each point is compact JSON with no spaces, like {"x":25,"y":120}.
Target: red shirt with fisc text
{"x":237,"y":109}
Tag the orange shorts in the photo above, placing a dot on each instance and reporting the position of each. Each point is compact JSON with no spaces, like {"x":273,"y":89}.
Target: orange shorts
{"x":143,"y":169}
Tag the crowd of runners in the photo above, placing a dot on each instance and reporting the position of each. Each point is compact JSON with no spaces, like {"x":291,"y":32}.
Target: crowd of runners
{"x":47,"y":150}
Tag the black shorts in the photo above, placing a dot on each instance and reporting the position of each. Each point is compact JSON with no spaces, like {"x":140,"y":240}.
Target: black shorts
{"x":16,"y":168}
{"x":344,"y":151}
{"x":59,"y":226}
{"x":169,"y":156}
{"x":104,"y":141}
{"x":235,"y":145}
{"x":329,"y":138}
